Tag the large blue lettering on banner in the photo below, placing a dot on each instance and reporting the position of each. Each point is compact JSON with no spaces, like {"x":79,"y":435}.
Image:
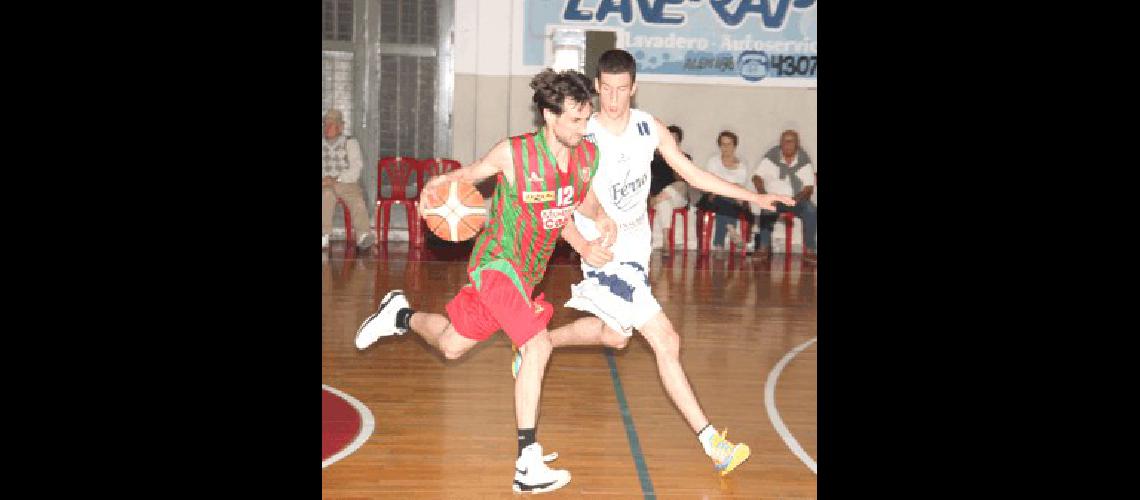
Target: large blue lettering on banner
{"x":772,"y":12}
{"x":652,"y":11}
{"x":752,"y":40}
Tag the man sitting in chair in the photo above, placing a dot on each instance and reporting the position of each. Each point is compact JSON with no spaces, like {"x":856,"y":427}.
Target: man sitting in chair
{"x":786,"y":169}
{"x":342,"y":163}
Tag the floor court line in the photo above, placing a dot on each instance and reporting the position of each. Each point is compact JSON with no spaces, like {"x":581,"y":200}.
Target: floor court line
{"x":774,"y":415}
{"x":630,"y":432}
{"x":367,"y":424}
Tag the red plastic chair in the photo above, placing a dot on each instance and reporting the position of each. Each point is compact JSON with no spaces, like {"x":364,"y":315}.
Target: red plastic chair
{"x":745,"y":233}
{"x":708,"y":219}
{"x":789,"y":224}
{"x":684,"y":213}
{"x":426,"y":169}
{"x":431,"y":167}
{"x":399,"y":170}
{"x":789,"y":221}
{"x":347,"y":222}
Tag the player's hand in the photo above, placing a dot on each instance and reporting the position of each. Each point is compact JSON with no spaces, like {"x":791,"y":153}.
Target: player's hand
{"x":597,"y":254}
{"x":428,"y":195}
{"x":768,"y":201}
{"x":608,"y":229}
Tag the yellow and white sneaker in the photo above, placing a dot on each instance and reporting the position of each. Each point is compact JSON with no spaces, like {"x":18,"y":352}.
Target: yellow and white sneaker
{"x":726,"y":455}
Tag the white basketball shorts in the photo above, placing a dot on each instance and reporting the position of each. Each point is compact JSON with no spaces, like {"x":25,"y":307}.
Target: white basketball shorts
{"x":618,"y":294}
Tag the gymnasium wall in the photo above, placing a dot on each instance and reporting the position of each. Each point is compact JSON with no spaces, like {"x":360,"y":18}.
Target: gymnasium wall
{"x":492,"y":97}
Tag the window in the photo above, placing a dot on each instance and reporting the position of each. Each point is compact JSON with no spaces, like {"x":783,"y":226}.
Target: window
{"x":337,"y":20}
{"x":336,"y":84}
{"x":409,"y":76}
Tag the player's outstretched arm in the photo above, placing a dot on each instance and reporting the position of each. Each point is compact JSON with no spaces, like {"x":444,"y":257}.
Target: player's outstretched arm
{"x":700,"y":179}
{"x":498,"y":159}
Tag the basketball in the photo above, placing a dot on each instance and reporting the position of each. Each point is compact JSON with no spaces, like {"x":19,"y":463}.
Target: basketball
{"x":460,"y":216}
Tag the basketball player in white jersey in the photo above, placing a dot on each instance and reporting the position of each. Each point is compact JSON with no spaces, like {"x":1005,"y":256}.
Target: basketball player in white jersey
{"x":618,"y":293}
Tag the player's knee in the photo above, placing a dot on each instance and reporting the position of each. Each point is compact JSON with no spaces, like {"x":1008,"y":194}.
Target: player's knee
{"x":667,"y":343}
{"x":538,"y":346}
{"x":612,"y":338}
{"x":616,"y":340}
{"x":452,"y":352}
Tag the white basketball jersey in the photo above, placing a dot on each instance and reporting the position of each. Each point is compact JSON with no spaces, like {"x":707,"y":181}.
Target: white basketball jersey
{"x":622,"y":184}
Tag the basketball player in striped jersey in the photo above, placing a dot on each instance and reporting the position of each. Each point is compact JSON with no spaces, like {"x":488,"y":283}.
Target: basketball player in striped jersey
{"x":618,"y":293}
{"x":542,"y":177}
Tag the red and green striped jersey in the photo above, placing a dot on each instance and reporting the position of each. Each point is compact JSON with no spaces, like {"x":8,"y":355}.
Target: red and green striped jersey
{"x":526,"y":217}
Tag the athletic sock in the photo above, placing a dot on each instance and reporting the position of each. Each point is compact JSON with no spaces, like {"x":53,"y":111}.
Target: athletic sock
{"x":403,"y":316}
{"x":705,"y":437}
{"x":526,"y":438}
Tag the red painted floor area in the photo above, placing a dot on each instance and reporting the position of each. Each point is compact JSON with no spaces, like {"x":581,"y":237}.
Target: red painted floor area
{"x":340,"y":423}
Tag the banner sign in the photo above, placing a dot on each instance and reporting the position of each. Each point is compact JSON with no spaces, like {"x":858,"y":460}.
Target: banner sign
{"x":747,"y":42}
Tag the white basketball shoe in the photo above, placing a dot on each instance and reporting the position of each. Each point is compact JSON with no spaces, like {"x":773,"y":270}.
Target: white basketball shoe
{"x":382,"y":323}
{"x":533,"y":476}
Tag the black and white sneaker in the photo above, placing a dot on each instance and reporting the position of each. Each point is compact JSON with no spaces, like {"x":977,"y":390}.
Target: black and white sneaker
{"x":382,"y":323}
{"x":533,"y":476}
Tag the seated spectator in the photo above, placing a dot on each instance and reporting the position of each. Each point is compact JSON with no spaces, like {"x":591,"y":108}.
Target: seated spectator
{"x":729,"y":167}
{"x":786,"y":169}
{"x":666,"y":192}
{"x":342,"y":164}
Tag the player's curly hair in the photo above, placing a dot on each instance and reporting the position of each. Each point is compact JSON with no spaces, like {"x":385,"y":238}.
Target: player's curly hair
{"x":552,"y":88}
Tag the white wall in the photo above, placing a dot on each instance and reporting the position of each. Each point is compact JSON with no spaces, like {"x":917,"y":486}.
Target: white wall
{"x":756,"y":115}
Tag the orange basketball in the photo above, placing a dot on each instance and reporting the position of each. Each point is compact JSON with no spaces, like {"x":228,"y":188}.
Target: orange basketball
{"x":460,"y":216}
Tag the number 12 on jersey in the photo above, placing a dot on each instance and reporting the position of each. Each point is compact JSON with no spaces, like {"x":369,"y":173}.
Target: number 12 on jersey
{"x":565,"y":196}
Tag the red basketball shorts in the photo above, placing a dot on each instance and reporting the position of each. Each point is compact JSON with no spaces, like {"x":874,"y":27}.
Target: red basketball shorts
{"x":498,"y":303}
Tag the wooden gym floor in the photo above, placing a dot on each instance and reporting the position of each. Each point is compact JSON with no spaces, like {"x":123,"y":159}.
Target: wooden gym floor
{"x":445,"y":429}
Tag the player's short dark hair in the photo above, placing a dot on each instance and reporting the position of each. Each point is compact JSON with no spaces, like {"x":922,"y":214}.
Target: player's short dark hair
{"x":551,"y":89}
{"x":677,"y":130}
{"x":617,"y":61}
